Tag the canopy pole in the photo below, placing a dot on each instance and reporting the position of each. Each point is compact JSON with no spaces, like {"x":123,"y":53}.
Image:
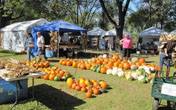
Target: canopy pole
{"x":58,"y":44}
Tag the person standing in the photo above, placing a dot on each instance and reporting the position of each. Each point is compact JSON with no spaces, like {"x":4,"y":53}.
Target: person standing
{"x":40,"y":44}
{"x":170,"y":47}
{"x":126,"y":42}
{"x":103,"y":43}
{"x":161,"y":48}
{"x":30,"y":46}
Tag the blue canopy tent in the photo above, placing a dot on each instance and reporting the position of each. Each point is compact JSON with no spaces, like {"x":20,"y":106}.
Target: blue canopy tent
{"x":59,"y":26}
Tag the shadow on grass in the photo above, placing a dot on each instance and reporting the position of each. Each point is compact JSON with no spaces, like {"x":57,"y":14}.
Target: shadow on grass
{"x":80,"y":55}
{"x":9,"y":52}
{"x":55,"y":99}
{"x":149,"y":61}
{"x":52,"y":60}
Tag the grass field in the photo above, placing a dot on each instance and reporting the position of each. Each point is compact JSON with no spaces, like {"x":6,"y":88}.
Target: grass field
{"x":50,"y":95}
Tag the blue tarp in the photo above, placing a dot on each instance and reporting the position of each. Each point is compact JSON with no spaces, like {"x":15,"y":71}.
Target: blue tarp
{"x":59,"y":26}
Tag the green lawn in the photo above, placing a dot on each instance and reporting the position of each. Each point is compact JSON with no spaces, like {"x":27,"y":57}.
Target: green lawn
{"x":122,"y":95}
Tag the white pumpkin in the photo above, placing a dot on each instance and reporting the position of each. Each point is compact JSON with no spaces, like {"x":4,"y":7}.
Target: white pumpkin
{"x":129,"y":77}
{"x":134,"y":75}
{"x":115,"y":68}
{"x":152,"y":69}
{"x":141,"y":77}
{"x":121,"y":74}
{"x":115,"y":71}
{"x":109,"y":71}
{"x":105,"y":56}
{"x":133,"y":67}
{"x":119,"y":69}
{"x":89,"y":60}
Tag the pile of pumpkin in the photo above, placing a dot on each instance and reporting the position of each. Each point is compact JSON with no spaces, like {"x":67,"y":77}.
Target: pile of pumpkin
{"x":101,"y":64}
{"x":76,"y":63}
{"x":55,"y":74}
{"x":90,"y":87}
{"x":35,"y":64}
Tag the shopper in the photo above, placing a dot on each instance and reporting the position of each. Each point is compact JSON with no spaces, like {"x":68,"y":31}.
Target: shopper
{"x":30,"y":46}
{"x":126,"y":42}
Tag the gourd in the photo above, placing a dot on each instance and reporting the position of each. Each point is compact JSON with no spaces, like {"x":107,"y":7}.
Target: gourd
{"x":109,"y":71}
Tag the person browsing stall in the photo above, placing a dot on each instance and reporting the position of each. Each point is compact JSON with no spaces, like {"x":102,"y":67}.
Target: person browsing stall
{"x":161,"y":48}
{"x":126,"y":42}
{"x":170,"y":46}
{"x":30,"y":46}
{"x":40,"y":44}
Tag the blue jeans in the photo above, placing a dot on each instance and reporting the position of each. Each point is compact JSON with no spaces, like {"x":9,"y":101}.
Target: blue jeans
{"x":162,"y":58}
{"x":29,"y":53}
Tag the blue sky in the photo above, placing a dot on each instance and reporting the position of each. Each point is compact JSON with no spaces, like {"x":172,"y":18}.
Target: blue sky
{"x":133,"y":4}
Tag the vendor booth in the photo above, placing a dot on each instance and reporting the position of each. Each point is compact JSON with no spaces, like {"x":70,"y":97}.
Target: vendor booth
{"x":13,"y":36}
{"x":110,"y":36}
{"x":148,"y":39}
{"x":59,"y":33}
{"x":94,"y":36}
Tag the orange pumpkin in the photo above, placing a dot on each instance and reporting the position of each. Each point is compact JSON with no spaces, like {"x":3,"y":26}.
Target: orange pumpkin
{"x":141,"y":60}
{"x":70,"y":81}
{"x":68,"y":63}
{"x":126,"y":66}
{"x":74,"y":86}
{"x":83,"y":89}
{"x":95,"y":91}
{"x":51,"y":76}
{"x":88,"y":66}
{"x":82,"y":66}
{"x":46,"y":77}
{"x":78,"y":88}
{"x":74,"y":65}
{"x":88,"y":94}
{"x":103,"y":70}
{"x":103,"y":84}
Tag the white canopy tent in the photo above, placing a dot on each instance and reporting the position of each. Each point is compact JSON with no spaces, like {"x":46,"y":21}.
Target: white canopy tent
{"x":151,"y":32}
{"x":147,"y":39}
{"x":96,"y":32}
{"x":173,"y":32}
{"x":113,"y":33}
{"x":14,"y":35}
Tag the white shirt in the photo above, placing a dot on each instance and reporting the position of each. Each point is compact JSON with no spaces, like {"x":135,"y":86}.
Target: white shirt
{"x":40,"y":41}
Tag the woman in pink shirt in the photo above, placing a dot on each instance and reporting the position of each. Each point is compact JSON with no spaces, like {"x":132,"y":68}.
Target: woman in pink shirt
{"x":126,"y":42}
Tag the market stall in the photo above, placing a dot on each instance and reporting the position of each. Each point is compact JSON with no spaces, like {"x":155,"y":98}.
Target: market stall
{"x":94,"y":36}
{"x":59,"y":31}
{"x":148,"y":38}
{"x":13,"y":36}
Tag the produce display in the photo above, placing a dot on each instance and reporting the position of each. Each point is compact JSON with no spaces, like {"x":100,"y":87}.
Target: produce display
{"x":138,"y":70}
{"x":37,"y":64}
{"x":55,"y":73}
{"x":90,"y":87}
{"x":16,"y":69}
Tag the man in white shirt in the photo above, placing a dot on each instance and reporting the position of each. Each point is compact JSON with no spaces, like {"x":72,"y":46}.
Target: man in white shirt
{"x":40,"y":44}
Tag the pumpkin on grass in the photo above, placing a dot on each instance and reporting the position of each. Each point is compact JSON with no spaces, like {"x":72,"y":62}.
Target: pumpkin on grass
{"x":83,"y":89}
{"x":103,"y":70}
{"x":95,"y":91}
{"x":70,"y":81}
{"x":78,"y":88}
{"x":88,"y":94}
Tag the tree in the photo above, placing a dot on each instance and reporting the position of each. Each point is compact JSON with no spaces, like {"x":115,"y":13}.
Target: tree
{"x":121,"y":12}
{"x":161,"y":14}
{"x":10,"y":10}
